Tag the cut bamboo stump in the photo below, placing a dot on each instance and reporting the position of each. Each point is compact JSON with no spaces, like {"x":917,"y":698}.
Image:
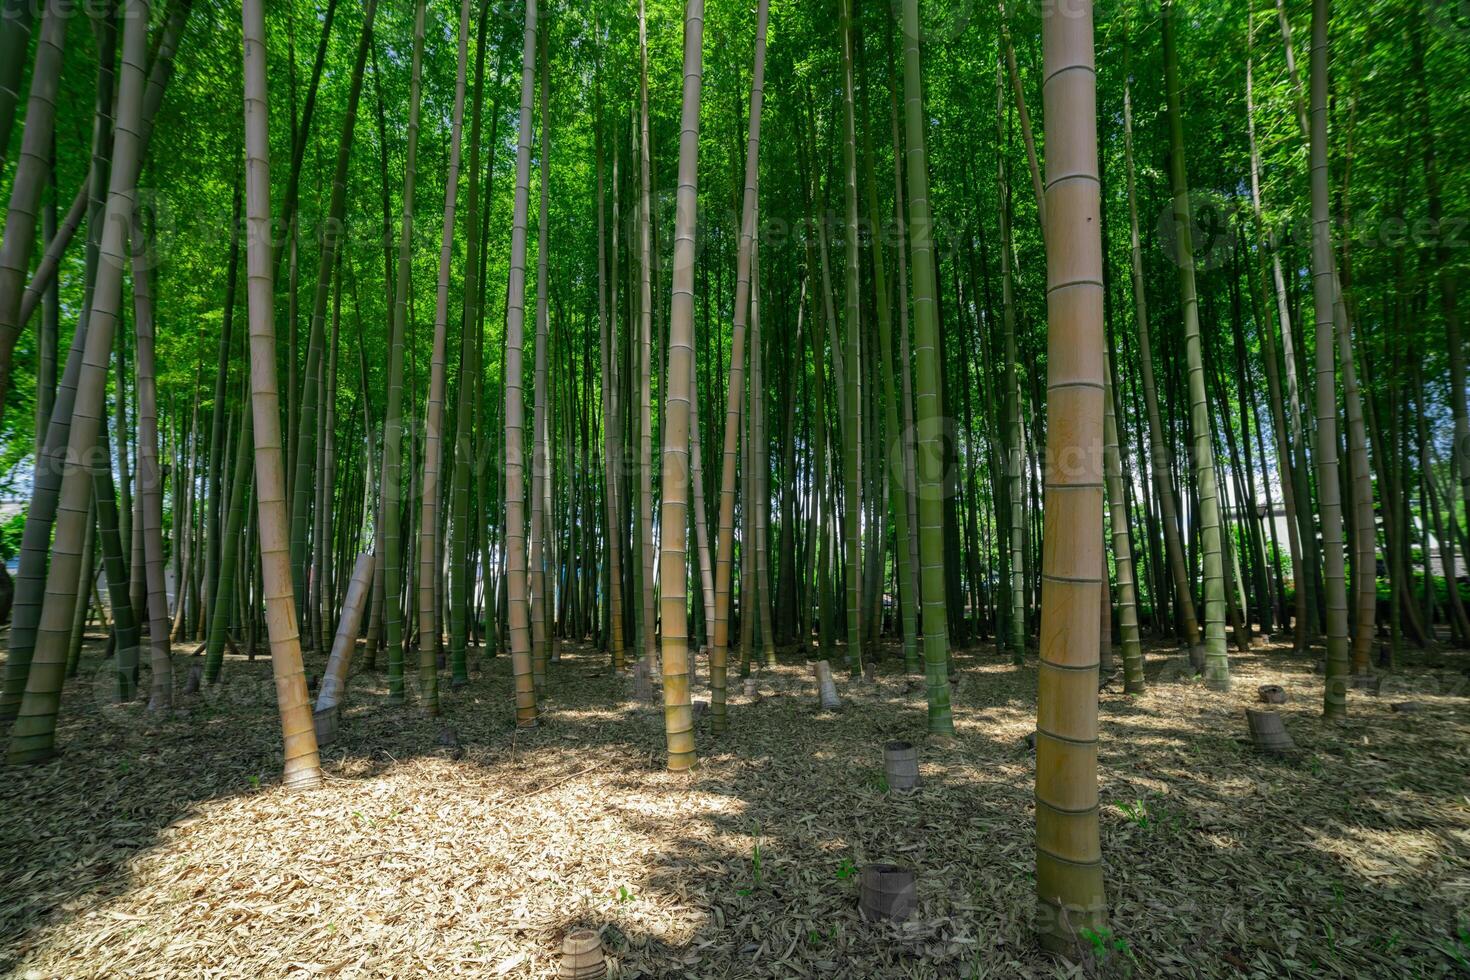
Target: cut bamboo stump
{"x":750,"y":688}
{"x":1271,"y":694}
{"x":581,"y":956}
{"x":887,"y":893}
{"x":901,"y":766}
{"x":826,"y":688}
{"x":326,"y":723}
{"x":870,"y":672}
{"x":1268,"y":732}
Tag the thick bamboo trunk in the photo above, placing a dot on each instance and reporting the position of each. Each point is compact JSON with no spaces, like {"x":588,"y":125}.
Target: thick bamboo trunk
{"x":32,"y":739}
{"x":302,"y":764}
{"x":1069,"y":874}
{"x":674,"y":519}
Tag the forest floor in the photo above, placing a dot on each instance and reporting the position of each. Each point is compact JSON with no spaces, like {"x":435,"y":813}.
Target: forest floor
{"x":167,"y":848}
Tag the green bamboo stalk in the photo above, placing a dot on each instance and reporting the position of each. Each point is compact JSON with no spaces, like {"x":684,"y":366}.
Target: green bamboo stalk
{"x":393,"y":422}
{"x":928,"y":419}
{"x":515,"y":465}
{"x":434,"y":416}
{"x":852,"y":389}
{"x":1217,"y":662}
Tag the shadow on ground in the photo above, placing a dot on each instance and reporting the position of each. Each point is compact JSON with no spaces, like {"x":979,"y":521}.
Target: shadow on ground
{"x":460,"y":845}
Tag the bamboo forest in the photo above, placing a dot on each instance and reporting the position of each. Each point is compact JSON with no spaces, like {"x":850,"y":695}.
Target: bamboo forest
{"x":766,"y":488}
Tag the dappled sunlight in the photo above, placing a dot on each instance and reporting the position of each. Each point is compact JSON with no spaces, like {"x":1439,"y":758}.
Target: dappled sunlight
{"x":464,"y":844}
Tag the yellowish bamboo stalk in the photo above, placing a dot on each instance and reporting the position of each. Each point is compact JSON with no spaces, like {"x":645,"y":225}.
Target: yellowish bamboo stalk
{"x":302,"y":763}
{"x":1069,"y":876}
{"x":679,"y":393}
{"x":519,"y":613}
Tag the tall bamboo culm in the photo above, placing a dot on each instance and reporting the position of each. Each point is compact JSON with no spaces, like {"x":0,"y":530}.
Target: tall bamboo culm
{"x":32,"y":739}
{"x":725,"y":540}
{"x":673,"y":559}
{"x":1069,"y":876}
{"x":302,"y":763}
{"x":429,"y":537}
{"x":1217,"y":663}
{"x":1329,"y":492}
{"x":929,"y":487}
{"x":519,"y":612}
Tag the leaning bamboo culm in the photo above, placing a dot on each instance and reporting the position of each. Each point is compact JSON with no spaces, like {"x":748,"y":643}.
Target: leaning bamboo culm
{"x":334,"y":678}
{"x":302,"y":763}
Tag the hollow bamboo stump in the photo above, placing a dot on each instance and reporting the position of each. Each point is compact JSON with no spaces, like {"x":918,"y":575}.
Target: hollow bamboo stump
{"x":1268,"y":732}
{"x":901,"y":766}
{"x":1271,"y":694}
{"x":581,"y":956}
{"x":887,"y":893}
{"x":750,"y":688}
{"x":826,"y":688}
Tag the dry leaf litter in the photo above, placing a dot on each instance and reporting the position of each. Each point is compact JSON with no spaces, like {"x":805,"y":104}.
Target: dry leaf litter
{"x":458,"y":846}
